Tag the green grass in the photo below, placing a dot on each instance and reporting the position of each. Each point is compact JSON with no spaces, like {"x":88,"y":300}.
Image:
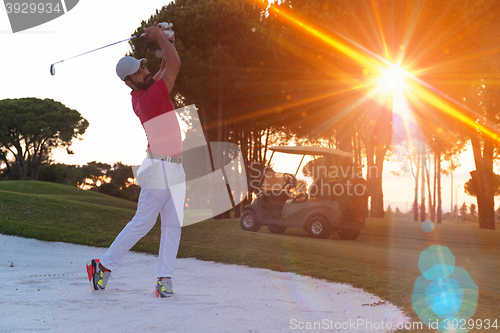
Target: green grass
{"x":58,"y":191}
{"x":383,"y":260}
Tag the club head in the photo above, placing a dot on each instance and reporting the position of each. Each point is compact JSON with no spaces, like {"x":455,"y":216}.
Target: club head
{"x":53,"y":69}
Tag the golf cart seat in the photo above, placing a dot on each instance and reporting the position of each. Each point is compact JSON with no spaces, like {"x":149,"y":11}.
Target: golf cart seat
{"x":320,"y":189}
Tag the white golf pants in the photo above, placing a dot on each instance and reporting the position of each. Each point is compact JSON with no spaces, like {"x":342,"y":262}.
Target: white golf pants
{"x":169,"y":203}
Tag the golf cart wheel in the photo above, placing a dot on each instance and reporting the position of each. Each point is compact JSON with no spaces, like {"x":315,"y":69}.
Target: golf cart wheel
{"x":249,"y":221}
{"x":277,"y":229}
{"x":349,"y":234}
{"x":319,"y":227}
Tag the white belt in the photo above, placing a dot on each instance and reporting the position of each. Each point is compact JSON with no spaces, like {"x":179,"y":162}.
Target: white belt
{"x":171,"y":159}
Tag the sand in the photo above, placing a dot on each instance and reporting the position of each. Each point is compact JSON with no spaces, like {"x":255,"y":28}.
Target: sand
{"x":44,"y":288}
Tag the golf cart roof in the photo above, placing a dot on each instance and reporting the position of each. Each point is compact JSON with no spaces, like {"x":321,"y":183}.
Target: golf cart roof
{"x":308,"y":150}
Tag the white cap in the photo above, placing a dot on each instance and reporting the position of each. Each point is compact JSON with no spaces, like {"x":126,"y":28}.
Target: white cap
{"x":128,"y":65}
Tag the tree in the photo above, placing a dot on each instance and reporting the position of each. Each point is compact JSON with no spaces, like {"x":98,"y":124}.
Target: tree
{"x":120,"y":175}
{"x":465,"y":52}
{"x":60,"y":173}
{"x":472,"y":210}
{"x":103,"y":178}
{"x":30,"y":128}
{"x":446,"y":147}
{"x":470,"y":188}
{"x":463,"y":211}
{"x":120,"y":186}
{"x":95,"y":171}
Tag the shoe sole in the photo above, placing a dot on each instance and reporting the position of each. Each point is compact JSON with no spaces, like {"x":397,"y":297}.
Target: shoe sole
{"x":91,"y":271}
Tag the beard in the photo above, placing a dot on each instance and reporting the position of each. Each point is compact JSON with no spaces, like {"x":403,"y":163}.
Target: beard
{"x":148,"y":82}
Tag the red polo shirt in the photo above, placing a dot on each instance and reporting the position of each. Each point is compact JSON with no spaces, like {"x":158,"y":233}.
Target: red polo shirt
{"x":156,"y":112}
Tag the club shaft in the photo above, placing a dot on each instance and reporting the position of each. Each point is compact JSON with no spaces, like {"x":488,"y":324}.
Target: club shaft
{"x":102,"y":47}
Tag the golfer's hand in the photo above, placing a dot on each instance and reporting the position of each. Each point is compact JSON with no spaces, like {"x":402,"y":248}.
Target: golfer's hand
{"x":154,"y":32}
{"x":167,"y":30}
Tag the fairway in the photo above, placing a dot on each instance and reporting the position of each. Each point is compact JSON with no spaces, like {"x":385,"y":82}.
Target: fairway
{"x":383,"y":260}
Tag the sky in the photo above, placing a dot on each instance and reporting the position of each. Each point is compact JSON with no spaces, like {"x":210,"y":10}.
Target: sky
{"x":89,"y":84}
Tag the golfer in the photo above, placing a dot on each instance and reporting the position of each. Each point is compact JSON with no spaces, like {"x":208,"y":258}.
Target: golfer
{"x":161,"y":175}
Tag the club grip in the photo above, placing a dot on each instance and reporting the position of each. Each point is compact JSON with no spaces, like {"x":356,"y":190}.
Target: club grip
{"x":165,"y":25}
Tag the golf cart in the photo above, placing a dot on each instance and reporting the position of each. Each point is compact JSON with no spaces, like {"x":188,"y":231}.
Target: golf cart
{"x":337,"y":199}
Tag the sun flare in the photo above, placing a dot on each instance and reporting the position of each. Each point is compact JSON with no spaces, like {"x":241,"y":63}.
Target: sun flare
{"x":393,"y":79}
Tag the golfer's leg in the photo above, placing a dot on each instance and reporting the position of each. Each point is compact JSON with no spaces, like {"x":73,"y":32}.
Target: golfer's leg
{"x":171,"y":219}
{"x":150,"y":204}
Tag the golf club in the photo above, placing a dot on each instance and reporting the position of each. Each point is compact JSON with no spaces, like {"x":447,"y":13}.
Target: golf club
{"x":53,"y":68}
{"x":164,"y":26}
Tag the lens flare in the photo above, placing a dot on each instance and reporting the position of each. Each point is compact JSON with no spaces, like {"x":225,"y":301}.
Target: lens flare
{"x":416,"y":90}
{"x":393,"y":79}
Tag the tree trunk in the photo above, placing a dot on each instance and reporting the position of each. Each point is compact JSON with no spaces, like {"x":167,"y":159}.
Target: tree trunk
{"x":237,"y":140}
{"x":266,"y":145}
{"x":431,"y":208}
{"x":358,"y":151}
{"x":217,"y":160}
{"x":374,"y":177}
{"x":31,"y":166}
{"x":439,"y":200}
{"x":355,"y":149}
{"x":435,"y":189}
{"x":244,"y":145}
{"x":259,"y":145}
{"x":220,"y":126}
{"x":344,"y":136}
{"x":20,"y":159}
{"x":483,"y":178}
{"x":9,"y":169}
{"x":485,"y":200}
{"x":417,"y":167}
{"x":237,"y":210}
{"x":35,"y":162}
{"x":422,"y":189}
{"x":204,"y":122}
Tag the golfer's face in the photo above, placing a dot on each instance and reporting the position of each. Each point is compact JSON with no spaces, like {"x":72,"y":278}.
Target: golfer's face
{"x":142,"y":78}
{"x":141,"y":74}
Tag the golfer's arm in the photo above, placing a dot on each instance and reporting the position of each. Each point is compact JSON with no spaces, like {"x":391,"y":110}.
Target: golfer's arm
{"x":162,"y":68}
{"x":172,"y":61}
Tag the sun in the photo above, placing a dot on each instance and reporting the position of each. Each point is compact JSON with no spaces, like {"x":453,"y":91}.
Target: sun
{"x":392,"y":85}
{"x":393,"y":79}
